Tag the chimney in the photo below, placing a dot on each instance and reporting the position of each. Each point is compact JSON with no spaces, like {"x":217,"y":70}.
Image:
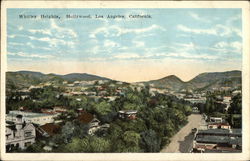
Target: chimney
{"x":19,"y":122}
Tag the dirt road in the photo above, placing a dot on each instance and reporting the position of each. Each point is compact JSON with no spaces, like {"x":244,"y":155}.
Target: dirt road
{"x":182,"y":141}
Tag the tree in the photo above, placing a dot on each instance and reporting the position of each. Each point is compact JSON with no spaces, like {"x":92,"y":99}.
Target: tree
{"x":98,"y":145}
{"x":76,"y":145}
{"x":236,"y":105}
{"x":150,"y":142}
{"x":103,"y":108}
{"x":131,"y":138}
{"x":67,"y":132}
{"x":130,"y":106}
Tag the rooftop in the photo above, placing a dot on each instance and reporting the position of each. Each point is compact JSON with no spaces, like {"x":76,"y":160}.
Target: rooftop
{"x":128,"y":111}
{"x":220,"y":131}
{"x":26,"y":114}
{"x":218,"y":139}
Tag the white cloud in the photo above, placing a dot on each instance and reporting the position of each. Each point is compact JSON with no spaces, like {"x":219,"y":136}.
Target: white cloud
{"x":11,"y":36}
{"x":236,"y":46}
{"x":127,"y":56}
{"x":62,"y":32}
{"x":53,"y":42}
{"x":30,"y":45}
{"x":21,"y":54}
{"x":109,"y":43}
{"x":20,"y":28}
{"x":217,"y":30}
{"x":138,"y":43}
{"x":42,"y":31}
{"x":16,"y":35}
{"x":231,"y":20}
{"x":197,"y":31}
{"x":98,"y":50}
{"x":188,"y":46}
{"x":198,"y":18}
{"x":14,"y":43}
{"x":187,"y":55}
{"x":114,"y":30}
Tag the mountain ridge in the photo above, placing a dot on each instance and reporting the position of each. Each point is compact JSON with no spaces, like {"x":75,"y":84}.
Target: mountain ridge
{"x":206,"y":80}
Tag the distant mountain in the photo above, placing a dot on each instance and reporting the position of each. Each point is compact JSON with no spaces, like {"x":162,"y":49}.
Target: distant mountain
{"x":82,"y":76}
{"x":170,"y":82}
{"x":204,"y":81}
{"x":26,"y":78}
{"x":216,"y":79}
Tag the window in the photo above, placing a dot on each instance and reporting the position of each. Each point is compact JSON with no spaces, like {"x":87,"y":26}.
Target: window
{"x":27,"y":144}
{"x":28,"y":134}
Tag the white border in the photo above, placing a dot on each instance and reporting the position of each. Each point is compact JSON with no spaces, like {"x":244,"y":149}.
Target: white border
{"x":131,"y":4}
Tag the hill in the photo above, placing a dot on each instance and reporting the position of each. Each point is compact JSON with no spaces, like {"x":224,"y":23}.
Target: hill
{"x":171,"y":82}
{"x":21,"y":79}
{"x":204,"y":81}
{"x":82,"y":76}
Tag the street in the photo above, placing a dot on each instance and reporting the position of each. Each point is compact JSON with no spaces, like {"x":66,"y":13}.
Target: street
{"x":183,"y":140}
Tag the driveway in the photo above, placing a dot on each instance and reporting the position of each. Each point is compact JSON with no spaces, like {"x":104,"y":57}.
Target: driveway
{"x":183,"y":140}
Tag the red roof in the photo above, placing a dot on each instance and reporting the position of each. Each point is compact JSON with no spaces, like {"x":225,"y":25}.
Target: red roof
{"x":85,"y":117}
{"x":51,"y":128}
{"x":220,"y":124}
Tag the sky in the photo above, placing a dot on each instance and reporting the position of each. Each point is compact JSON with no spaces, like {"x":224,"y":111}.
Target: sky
{"x":181,"y":42}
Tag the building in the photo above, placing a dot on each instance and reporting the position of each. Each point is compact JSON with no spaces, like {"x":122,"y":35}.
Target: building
{"x":59,"y":109}
{"x":234,"y":93}
{"x":30,"y":117}
{"x":127,"y":114}
{"x":19,"y":134}
{"x":49,"y":129}
{"x":218,"y":140}
{"x":218,"y":126}
{"x":195,"y":110}
{"x":216,"y":119}
{"x":90,"y":120}
{"x":196,"y":100}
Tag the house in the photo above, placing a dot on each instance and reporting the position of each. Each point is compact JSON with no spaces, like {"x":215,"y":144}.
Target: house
{"x":103,"y":93}
{"x":111,"y":98}
{"x":195,"y":110}
{"x":78,"y":99}
{"x":227,"y":99}
{"x":49,"y":129}
{"x":119,"y":83}
{"x":47,"y":111}
{"x":23,"y":97}
{"x":127,"y":114}
{"x":196,"y":100}
{"x":31,"y":117}
{"x":218,"y":140}
{"x":216,"y":119}
{"x":67,"y":94}
{"x":90,"y":120}
{"x":218,"y":126}
{"x":35,"y":87}
{"x":59,"y":109}
{"x":19,"y":134}
{"x":23,"y":108}
{"x":234,"y":93}
{"x":92,"y":93}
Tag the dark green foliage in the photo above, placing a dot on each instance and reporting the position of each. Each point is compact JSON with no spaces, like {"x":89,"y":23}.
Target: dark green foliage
{"x":235,"y":112}
{"x":150,"y":142}
{"x":236,"y":105}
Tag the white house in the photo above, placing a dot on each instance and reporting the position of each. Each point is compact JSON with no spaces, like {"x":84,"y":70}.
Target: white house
{"x":30,"y":117}
{"x":19,"y":134}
